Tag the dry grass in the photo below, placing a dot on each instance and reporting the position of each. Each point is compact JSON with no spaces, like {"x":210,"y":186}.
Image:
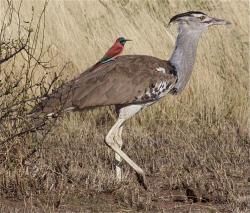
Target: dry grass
{"x":194,"y":147}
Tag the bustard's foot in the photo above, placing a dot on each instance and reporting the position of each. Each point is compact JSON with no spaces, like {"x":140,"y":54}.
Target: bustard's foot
{"x":142,"y":180}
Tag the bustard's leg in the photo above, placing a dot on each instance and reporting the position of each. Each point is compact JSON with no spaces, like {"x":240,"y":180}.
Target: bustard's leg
{"x":111,"y":141}
{"x":118,"y":140}
{"x":114,"y":139}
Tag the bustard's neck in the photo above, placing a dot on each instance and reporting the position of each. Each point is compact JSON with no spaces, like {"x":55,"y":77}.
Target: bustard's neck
{"x":183,"y":57}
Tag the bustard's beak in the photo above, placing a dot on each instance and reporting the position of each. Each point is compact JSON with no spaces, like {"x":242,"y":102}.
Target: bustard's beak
{"x":217,"y":21}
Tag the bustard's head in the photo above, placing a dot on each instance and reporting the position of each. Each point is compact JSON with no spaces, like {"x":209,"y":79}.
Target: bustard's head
{"x":196,"y":21}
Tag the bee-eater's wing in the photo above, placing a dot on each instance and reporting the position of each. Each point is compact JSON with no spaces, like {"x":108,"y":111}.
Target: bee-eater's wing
{"x":115,"y":50}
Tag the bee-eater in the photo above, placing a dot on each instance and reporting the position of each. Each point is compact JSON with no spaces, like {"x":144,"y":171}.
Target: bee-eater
{"x":113,"y":51}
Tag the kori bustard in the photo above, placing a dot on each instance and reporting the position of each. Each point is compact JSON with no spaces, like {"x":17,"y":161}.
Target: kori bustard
{"x":133,"y":82}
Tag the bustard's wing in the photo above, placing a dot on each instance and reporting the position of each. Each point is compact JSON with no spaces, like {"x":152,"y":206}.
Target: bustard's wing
{"x":127,"y":80}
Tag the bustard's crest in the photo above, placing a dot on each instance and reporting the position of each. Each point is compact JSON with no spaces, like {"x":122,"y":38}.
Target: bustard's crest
{"x":187,"y":14}
{"x":197,"y":20}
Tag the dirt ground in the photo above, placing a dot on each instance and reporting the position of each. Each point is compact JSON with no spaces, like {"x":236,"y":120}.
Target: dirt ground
{"x":189,"y":200}
{"x":107,"y":204}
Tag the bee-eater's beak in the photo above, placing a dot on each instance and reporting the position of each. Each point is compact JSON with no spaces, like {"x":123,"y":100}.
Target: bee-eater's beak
{"x":128,"y":40}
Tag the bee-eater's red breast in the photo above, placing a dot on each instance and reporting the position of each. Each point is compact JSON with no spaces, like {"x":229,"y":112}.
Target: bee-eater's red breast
{"x":114,"y":51}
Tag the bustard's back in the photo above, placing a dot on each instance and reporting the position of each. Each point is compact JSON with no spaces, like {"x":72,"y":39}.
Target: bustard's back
{"x":134,"y":79}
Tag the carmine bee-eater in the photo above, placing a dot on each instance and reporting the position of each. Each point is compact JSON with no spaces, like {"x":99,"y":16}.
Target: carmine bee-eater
{"x":114,"y":51}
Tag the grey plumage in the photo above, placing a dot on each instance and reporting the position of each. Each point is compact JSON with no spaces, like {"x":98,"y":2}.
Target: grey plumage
{"x":183,"y":57}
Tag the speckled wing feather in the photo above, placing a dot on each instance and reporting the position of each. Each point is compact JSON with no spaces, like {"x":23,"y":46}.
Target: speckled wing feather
{"x":126,"y":80}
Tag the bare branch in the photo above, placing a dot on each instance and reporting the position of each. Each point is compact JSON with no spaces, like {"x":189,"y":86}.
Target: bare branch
{"x":8,"y":57}
{"x":20,"y":89}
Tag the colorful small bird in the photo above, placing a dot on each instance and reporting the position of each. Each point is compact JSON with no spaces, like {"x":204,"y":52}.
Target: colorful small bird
{"x":114,"y":51}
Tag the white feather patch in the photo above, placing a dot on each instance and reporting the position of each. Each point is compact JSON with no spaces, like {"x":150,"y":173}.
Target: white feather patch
{"x":161,"y":69}
{"x":50,"y":115}
{"x":69,"y":109}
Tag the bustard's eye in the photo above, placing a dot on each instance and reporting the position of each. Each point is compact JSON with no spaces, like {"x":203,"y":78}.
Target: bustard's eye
{"x":202,"y":18}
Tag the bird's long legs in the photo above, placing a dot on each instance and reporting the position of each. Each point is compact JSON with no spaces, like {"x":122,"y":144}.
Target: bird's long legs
{"x":111,"y":140}
{"x":118,"y":139}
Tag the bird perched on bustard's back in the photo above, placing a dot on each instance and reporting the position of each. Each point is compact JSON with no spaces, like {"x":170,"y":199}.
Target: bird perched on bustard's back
{"x":133,"y":82}
{"x":113,"y":51}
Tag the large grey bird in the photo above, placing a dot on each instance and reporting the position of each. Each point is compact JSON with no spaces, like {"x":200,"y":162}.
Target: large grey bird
{"x":133,"y":82}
